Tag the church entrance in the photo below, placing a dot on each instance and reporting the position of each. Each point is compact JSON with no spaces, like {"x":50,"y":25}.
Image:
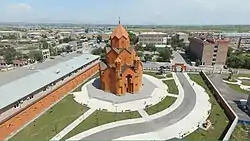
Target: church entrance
{"x":129,"y":85}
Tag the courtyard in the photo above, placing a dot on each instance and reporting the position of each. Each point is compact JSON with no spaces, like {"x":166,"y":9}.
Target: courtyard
{"x":162,"y":109}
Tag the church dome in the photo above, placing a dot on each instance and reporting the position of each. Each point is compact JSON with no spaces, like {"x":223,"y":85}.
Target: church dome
{"x":119,"y":32}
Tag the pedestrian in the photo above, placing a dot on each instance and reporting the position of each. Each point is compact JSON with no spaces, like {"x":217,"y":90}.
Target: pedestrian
{"x":193,"y":84}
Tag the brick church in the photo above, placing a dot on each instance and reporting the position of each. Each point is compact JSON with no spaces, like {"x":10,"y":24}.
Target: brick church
{"x":122,"y":70}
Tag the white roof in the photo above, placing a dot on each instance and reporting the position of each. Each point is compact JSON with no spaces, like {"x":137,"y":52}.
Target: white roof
{"x":143,"y":33}
{"x":13,"y":91}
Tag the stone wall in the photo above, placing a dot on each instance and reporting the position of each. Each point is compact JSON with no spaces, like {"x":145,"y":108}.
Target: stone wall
{"x":233,"y":118}
{"x":19,"y":120}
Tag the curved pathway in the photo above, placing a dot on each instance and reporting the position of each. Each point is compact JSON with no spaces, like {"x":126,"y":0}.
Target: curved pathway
{"x":173,"y":117}
{"x":239,"y":82}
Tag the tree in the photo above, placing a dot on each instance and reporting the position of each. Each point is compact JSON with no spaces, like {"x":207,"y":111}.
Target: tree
{"x":229,"y":52}
{"x":154,"y":49}
{"x":45,"y":45}
{"x":36,"y":55}
{"x":139,"y":54}
{"x":97,"y":51}
{"x":87,"y":30}
{"x":235,"y":61}
{"x":147,"y":57}
{"x":53,"y":51}
{"x":165,"y":55}
{"x":9,"y":54}
{"x":99,"y":38}
{"x":133,"y":38}
{"x":198,"y":62}
{"x":68,"y":48}
{"x":149,"y":47}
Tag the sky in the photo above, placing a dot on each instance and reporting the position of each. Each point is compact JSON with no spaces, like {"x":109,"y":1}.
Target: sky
{"x":160,"y":12}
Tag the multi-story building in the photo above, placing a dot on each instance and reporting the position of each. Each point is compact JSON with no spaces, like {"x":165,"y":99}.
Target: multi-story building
{"x":157,"y":38}
{"x":201,"y":34}
{"x":45,"y":53}
{"x":209,"y":51}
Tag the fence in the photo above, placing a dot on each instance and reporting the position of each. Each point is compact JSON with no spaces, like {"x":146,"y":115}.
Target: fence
{"x":233,"y":118}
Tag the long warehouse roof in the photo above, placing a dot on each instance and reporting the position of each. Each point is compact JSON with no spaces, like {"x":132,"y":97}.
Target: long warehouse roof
{"x":24,"y":86}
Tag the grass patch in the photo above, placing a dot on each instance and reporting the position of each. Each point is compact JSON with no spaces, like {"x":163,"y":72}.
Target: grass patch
{"x":154,"y":74}
{"x":242,"y":75}
{"x":238,"y":89}
{"x":99,"y":118}
{"x":172,"y":87}
{"x":246,"y":82}
{"x":241,"y":132}
{"x":164,"y":104}
{"x":169,"y":75}
{"x":217,"y":117}
{"x":232,"y":80}
{"x":53,"y":121}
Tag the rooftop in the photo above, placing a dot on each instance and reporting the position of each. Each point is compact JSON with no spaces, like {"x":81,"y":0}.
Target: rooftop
{"x":157,"y":33}
{"x":22,"y":86}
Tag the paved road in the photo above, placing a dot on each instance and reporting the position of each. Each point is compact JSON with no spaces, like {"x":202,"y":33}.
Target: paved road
{"x":183,"y":110}
{"x":230,"y":95}
{"x":178,"y":58}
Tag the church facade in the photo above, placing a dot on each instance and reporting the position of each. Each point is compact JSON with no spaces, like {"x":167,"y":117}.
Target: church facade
{"x":122,"y":70}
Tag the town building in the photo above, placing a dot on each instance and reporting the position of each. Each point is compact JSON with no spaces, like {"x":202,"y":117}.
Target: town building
{"x":184,"y":37}
{"x":45,"y":53}
{"x":157,"y":38}
{"x":209,"y":51}
{"x":121,"y":72}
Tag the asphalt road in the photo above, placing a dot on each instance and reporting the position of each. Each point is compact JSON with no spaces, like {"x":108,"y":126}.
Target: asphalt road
{"x":230,"y":95}
{"x":183,"y":110}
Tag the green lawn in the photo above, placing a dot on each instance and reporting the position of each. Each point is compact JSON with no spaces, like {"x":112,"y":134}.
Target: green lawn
{"x":172,"y":87}
{"x":246,"y":83}
{"x":164,"y":104}
{"x":169,"y":75}
{"x":52,"y":121}
{"x":100,"y":118}
{"x":55,"y":119}
{"x":153,"y":74}
{"x":242,"y":75}
{"x":238,"y":89}
{"x":232,"y":80}
{"x":217,"y":117}
{"x":241,"y":133}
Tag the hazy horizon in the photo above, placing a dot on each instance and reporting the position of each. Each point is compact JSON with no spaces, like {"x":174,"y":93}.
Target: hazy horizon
{"x":132,"y":12}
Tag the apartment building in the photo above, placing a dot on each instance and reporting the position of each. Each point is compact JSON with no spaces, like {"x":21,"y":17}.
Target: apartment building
{"x":209,"y":51}
{"x":157,"y":38}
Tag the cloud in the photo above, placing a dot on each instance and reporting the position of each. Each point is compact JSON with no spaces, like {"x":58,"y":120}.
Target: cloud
{"x":19,"y":7}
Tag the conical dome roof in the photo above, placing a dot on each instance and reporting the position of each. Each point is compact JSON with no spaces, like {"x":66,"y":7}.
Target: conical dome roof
{"x":119,"y":32}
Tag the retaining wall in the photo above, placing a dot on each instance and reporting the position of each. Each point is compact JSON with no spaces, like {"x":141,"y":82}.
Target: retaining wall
{"x":233,"y":118}
{"x":28,"y":114}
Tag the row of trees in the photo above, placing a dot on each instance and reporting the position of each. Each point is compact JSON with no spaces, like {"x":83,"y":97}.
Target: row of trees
{"x":238,"y":59}
{"x":11,"y":54}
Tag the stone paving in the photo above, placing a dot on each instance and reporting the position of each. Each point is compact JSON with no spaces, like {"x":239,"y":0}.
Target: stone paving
{"x":177,"y":121}
{"x":152,"y":92}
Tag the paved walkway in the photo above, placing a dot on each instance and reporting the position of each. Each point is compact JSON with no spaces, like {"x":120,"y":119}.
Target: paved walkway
{"x":172,"y":118}
{"x":186,"y":125}
{"x":239,"y":82}
{"x":159,"y":92}
{"x":70,"y":127}
{"x":183,"y":117}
